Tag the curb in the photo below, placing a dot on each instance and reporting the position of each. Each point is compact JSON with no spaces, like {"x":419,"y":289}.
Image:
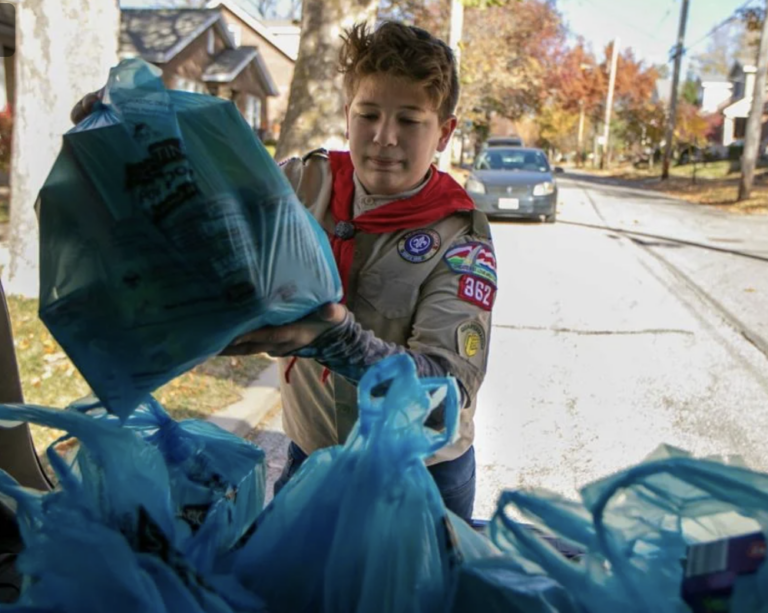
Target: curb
{"x":259,"y":398}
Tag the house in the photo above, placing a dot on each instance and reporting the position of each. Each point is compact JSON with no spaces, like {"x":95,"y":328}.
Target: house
{"x":736,"y":112}
{"x":196,"y":52}
{"x":715,"y":90}
{"x":278,"y":44}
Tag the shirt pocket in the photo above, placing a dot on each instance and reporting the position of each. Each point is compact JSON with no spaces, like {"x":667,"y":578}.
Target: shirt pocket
{"x":389,"y":294}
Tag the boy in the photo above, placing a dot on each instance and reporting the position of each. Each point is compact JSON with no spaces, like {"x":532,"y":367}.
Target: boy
{"x":416,"y":259}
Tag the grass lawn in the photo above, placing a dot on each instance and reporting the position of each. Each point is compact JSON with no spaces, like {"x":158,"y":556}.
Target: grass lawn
{"x":716,"y":183}
{"x":48,"y":377}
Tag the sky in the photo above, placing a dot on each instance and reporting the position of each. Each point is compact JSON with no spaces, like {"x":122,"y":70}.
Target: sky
{"x":648,"y":26}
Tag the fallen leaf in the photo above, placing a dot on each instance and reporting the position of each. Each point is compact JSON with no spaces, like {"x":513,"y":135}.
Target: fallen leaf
{"x":750,"y":290}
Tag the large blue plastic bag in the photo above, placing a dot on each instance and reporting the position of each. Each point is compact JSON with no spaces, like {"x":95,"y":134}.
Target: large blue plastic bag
{"x":362,"y":528}
{"x":217,"y":479}
{"x":635,"y":527}
{"x":107,"y":538}
{"x":167,"y":230}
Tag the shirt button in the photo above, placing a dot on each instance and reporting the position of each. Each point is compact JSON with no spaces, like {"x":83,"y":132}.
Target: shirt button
{"x":368,"y":201}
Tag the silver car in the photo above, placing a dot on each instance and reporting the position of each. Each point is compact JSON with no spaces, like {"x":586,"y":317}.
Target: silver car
{"x":514,"y":182}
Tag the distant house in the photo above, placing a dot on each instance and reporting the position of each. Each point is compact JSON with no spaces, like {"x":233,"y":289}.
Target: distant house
{"x":278,"y":44}
{"x":196,"y":52}
{"x":727,"y":101}
{"x":715,"y":90}
{"x":736,"y":111}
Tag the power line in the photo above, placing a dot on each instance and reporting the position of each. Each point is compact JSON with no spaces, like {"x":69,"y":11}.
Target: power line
{"x":722,"y":24}
{"x":666,"y":16}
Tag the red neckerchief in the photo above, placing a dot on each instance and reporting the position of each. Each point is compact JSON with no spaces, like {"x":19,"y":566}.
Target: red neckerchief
{"x":439,"y":198}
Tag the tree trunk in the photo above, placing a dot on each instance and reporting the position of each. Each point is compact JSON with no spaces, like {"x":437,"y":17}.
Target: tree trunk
{"x":64,"y":49}
{"x":755,"y":121}
{"x":315,"y":115}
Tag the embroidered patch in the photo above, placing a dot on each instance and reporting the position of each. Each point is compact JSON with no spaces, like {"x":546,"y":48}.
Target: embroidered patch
{"x":473,"y":258}
{"x":470,"y":339}
{"x":477,"y":291}
{"x":419,"y":246}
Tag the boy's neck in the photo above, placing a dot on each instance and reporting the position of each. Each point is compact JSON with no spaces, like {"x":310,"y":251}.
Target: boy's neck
{"x":364,"y":201}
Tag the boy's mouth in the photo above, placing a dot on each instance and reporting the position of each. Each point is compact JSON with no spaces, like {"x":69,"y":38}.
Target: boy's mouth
{"x":384,"y":162}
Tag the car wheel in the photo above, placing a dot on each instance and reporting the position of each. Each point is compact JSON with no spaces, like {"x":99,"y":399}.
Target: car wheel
{"x":550,"y":218}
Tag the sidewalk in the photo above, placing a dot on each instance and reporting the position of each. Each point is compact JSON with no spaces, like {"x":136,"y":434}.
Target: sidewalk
{"x":259,"y":399}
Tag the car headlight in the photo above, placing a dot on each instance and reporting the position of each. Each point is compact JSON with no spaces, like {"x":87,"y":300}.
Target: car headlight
{"x":544,"y":189}
{"x":475,"y":186}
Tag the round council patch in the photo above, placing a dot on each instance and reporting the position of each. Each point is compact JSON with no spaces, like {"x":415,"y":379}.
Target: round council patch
{"x":419,"y":246}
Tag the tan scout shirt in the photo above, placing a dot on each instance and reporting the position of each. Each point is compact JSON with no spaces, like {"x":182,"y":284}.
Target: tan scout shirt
{"x":415,"y":305}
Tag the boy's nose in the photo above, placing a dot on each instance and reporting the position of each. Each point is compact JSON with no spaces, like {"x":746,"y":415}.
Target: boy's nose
{"x":386,"y":134}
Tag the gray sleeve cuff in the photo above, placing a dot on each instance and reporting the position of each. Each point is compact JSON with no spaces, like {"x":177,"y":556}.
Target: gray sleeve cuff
{"x":349,"y":350}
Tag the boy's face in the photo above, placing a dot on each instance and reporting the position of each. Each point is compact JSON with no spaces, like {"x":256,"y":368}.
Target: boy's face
{"x":394,"y":132}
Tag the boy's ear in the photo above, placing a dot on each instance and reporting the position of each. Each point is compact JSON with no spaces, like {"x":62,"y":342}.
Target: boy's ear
{"x":446,"y":129}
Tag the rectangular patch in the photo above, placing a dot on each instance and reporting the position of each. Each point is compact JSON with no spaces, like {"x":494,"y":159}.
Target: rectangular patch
{"x":477,"y":291}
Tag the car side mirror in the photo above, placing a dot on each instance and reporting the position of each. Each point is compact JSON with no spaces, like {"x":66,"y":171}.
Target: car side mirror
{"x":559,"y":170}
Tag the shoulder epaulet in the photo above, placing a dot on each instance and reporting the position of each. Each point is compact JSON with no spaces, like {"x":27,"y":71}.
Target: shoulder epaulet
{"x":481,"y":228}
{"x":320,"y":151}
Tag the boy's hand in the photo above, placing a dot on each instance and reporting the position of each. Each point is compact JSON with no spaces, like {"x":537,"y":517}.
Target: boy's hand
{"x":279,"y":341}
{"x":85,"y":106}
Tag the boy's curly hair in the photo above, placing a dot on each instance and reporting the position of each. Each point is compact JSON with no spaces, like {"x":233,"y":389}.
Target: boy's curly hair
{"x":402,"y":51}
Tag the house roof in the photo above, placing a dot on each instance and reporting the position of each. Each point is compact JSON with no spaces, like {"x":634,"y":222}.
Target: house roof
{"x":158,"y":35}
{"x":246,"y":12}
{"x":229,"y":63}
{"x":714,"y":77}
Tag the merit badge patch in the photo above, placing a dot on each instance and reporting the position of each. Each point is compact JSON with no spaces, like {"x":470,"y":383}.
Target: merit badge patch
{"x":419,"y":246}
{"x":470,"y":338}
{"x":473,"y":258}
{"x":477,"y":291}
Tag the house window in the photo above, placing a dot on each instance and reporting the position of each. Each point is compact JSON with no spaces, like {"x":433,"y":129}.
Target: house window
{"x":211,"y":42}
{"x":253,"y":111}
{"x":236,"y":31}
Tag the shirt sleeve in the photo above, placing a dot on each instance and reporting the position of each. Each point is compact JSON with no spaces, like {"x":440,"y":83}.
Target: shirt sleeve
{"x":349,"y":350}
{"x":452,"y":321}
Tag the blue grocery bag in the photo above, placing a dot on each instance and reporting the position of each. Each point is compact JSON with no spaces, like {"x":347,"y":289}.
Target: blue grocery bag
{"x":166,"y":231}
{"x":362,"y":528}
{"x":637,"y":529}
{"x":106,"y":540}
{"x":217,"y":479}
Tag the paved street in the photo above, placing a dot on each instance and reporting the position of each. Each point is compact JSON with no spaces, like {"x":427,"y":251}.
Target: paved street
{"x":603,"y":350}
{"x":605,"y":346}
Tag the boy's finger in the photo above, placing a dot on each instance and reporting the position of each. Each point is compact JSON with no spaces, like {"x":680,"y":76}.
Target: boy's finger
{"x":84,"y":107}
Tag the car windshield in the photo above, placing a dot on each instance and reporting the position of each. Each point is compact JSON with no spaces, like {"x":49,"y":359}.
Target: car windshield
{"x":512,"y":159}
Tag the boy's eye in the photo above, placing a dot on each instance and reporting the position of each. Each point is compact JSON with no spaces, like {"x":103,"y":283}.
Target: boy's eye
{"x":368,"y":116}
{"x":407,"y":121}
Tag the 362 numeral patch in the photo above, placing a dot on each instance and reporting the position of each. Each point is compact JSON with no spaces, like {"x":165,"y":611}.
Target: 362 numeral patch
{"x":477,"y":291}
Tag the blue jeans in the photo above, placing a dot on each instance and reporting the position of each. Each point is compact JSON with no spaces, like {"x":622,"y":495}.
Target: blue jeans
{"x":455,"y":479}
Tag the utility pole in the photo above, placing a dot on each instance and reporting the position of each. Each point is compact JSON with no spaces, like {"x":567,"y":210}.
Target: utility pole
{"x":457,"y":25}
{"x":673,"y":96}
{"x":755,"y":120}
{"x":609,"y":102}
{"x":580,"y":147}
